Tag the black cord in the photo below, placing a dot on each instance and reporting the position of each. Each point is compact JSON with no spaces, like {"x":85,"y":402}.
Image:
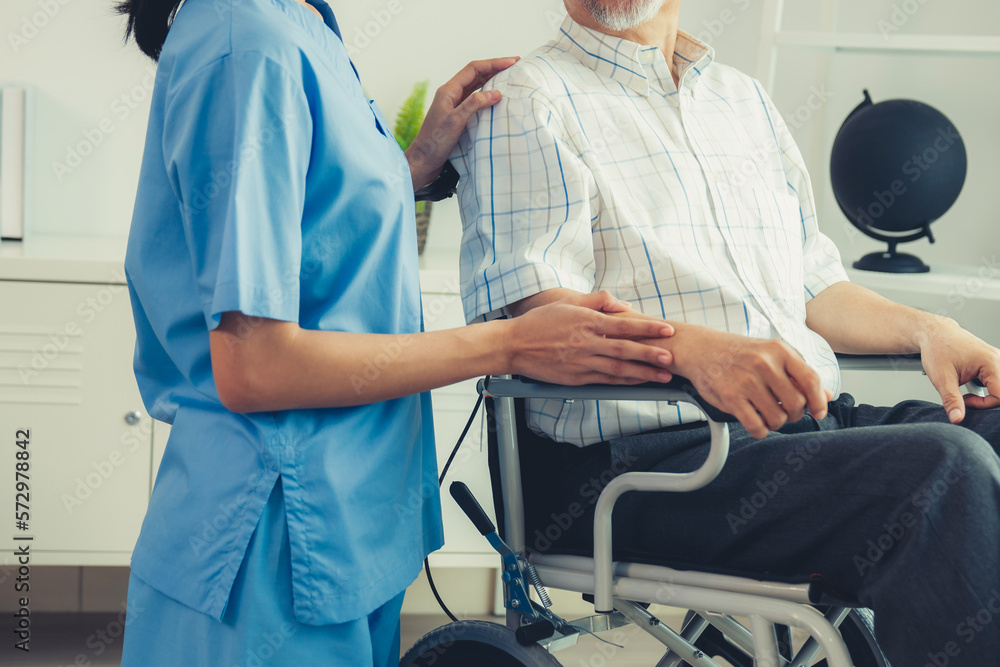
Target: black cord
{"x":434,"y":590}
{"x":444,"y":471}
{"x":461,"y":438}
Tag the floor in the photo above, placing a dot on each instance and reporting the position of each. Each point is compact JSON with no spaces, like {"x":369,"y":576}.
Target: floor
{"x":94,"y":640}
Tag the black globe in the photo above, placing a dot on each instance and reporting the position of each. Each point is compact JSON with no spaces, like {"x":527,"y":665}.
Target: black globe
{"x":897,"y":166}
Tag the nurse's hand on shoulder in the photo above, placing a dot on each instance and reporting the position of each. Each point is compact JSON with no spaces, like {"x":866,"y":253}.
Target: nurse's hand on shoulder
{"x":575,"y":341}
{"x":449,"y":112}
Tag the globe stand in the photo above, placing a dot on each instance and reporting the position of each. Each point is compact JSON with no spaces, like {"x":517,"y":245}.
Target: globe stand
{"x":892,"y":261}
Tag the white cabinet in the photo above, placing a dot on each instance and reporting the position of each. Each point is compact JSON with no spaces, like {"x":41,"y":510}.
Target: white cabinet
{"x":464,"y":546}
{"x":66,"y":376}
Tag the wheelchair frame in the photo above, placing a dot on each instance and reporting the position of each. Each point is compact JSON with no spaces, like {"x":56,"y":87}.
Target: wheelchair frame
{"x":621,"y":590}
{"x":619,"y":587}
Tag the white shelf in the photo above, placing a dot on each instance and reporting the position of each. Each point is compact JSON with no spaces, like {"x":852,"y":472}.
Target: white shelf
{"x":929,"y":44}
{"x":962,"y":283}
{"x":76,"y":259}
{"x":101,"y":260}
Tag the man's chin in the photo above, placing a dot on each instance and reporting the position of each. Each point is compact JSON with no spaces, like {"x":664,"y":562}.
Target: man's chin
{"x":622,"y":15}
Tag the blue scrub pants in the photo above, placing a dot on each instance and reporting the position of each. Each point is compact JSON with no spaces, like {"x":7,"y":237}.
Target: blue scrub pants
{"x":259,"y":627}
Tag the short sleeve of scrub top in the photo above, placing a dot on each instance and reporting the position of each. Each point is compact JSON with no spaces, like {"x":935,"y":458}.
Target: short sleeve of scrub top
{"x":237,"y":137}
{"x":271,"y":185}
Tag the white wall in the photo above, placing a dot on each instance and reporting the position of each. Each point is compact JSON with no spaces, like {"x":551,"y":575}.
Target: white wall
{"x":70,"y":53}
{"x":91,"y":93}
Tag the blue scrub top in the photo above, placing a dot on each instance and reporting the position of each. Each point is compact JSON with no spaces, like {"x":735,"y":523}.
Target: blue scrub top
{"x":271,"y":185}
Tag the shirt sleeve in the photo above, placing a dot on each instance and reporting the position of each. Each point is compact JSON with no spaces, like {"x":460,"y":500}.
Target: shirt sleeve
{"x":236,"y":142}
{"x":821,"y":261}
{"x":526,"y":200}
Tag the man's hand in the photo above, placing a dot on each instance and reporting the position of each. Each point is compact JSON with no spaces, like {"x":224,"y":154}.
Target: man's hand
{"x":449,"y":112}
{"x":570,"y":342}
{"x":952,"y":357}
{"x":763,"y":383}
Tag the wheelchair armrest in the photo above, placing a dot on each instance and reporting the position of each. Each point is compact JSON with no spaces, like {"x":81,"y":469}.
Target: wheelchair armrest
{"x":880,"y":362}
{"x":893,"y":362}
{"x":679,"y":388}
{"x":524,"y":387}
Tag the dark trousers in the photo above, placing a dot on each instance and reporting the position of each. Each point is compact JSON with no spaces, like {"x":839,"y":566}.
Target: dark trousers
{"x":891,"y":508}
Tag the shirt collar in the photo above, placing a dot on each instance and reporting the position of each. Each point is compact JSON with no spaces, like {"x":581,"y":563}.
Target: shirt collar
{"x":324,"y":9}
{"x":639,"y":67}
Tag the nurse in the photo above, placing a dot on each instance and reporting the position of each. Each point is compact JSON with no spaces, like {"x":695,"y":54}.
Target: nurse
{"x":272,"y":269}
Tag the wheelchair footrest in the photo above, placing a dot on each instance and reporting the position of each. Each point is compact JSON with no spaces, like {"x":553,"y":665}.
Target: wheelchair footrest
{"x":536,"y":632}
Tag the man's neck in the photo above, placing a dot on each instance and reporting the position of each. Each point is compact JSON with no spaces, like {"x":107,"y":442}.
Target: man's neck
{"x":661,"y":30}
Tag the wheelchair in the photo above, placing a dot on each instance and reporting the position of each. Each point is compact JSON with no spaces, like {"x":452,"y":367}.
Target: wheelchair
{"x":622,"y":592}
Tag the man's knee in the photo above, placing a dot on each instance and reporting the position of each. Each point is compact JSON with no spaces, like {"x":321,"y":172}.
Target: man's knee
{"x":951,"y":455}
{"x":958,"y":444}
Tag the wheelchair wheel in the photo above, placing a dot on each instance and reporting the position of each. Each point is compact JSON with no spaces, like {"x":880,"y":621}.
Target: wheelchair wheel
{"x":475,"y":643}
{"x":858,"y":631}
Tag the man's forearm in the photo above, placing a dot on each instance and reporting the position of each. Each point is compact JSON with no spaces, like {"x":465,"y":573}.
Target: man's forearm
{"x":856,"y":320}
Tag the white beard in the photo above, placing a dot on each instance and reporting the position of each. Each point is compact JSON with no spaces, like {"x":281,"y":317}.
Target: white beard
{"x":625,"y":14}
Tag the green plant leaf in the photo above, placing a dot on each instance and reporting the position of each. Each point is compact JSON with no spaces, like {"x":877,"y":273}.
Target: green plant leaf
{"x":411,"y":115}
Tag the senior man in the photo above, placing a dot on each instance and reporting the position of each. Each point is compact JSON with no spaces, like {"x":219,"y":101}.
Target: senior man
{"x":622,"y":157}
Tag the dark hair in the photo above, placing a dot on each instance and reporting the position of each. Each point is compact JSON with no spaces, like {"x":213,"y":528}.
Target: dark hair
{"x":148,"y":22}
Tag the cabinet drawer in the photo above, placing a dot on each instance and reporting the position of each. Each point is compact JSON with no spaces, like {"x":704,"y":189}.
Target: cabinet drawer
{"x":66,"y":375}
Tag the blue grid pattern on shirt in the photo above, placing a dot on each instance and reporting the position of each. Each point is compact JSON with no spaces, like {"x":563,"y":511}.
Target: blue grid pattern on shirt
{"x":596,"y":172}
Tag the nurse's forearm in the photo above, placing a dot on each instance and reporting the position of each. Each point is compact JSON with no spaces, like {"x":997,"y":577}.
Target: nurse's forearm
{"x":267,"y":365}
{"x":278,"y":366}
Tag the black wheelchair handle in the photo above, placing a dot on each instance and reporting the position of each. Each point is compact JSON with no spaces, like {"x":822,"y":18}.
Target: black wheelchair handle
{"x":443,"y":186}
{"x":460,"y":492}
